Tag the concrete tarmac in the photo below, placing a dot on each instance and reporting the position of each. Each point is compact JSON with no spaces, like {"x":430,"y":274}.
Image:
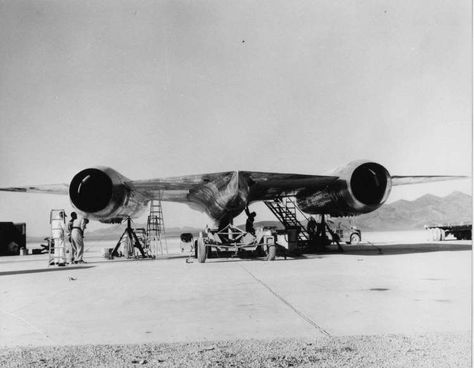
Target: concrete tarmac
{"x":408,"y":289}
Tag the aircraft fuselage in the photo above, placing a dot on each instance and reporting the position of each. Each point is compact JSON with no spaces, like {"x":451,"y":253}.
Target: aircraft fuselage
{"x":223,"y":198}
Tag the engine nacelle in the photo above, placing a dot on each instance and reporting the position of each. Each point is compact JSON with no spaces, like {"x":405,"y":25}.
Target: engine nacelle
{"x":362,"y":187}
{"x":100,"y":193}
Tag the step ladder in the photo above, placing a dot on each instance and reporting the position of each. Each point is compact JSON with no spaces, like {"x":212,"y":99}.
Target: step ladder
{"x":286,"y":211}
{"x":155,"y":229}
{"x":56,"y":250}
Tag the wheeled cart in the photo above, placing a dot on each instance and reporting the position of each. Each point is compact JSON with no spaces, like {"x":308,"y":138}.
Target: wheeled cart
{"x":233,"y":240}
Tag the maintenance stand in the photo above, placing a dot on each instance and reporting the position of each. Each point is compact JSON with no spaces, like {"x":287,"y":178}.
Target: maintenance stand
{"x":287,"y":212}
{"x":132,"y":236}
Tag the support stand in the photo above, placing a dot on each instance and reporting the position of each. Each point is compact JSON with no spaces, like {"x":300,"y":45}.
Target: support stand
{"x":132,"y":236}
{"x":323,"y":240}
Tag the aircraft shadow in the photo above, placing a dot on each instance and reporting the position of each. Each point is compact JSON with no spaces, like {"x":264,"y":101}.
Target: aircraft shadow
{"x":362,"y":250}
{"x":39,"y":270}
{"x":128,"y":260}
{"x":393,"y":249}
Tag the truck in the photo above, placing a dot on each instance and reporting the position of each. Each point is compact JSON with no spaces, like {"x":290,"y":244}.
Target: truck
{"x":347,"y":233}
{"x":12,"y":238}
{"x":440,"y":231}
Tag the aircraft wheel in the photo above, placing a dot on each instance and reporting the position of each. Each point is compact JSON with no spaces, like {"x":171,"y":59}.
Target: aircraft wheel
{"x":260,"y":252}
{"x":271,"y":252}
{"x":354,"y":239}
{"x":201,"y":251}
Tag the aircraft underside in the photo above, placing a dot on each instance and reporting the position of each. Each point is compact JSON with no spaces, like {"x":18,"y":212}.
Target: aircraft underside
{"x":360,"y":187}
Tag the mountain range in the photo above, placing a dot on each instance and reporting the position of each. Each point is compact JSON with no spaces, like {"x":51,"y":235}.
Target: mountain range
{"x":412,"y":215}
{"x":399,"y":215}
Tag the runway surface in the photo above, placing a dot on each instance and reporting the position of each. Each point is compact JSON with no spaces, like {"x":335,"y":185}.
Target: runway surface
{"x":409,"y":289}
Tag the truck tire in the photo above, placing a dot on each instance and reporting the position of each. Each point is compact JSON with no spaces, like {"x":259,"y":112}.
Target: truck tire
{"x":438,"y":234}
{"x":354,"y":239}
{"x":443,"y":235}
{"x":201,"y":251}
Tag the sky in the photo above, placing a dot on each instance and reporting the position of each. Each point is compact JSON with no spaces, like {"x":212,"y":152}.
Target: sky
{"x":164,"y":88}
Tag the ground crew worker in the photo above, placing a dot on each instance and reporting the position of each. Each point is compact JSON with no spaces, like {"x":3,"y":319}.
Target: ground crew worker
{"x":336,"y":239}
{"x":58,"y":232}
{"x":320,"y":237}
{"x":311,"y":228}
{"x":249,"y":223}
{"x":69,"y":232}
{"x":77,"y":238}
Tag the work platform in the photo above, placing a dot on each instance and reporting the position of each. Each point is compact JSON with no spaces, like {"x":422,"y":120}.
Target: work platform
{"x":296,"y":222}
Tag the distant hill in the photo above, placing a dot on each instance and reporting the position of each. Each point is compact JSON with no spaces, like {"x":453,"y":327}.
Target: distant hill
{"x":113,"y":232}
{"x":410,"y":215}
{"x":276,"y":224}
{"x":399,"y":215}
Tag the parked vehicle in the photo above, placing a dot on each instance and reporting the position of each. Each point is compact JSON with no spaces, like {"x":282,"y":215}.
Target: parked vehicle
{"x":349,"y":234}
{"x":459,"y":231}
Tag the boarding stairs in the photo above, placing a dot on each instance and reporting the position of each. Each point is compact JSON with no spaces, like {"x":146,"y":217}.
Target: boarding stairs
{"x":286,"y":210}
{"x":155,"y":230}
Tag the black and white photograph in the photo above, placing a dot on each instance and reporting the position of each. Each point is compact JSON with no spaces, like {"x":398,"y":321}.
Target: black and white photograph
{"x":204,"y":183}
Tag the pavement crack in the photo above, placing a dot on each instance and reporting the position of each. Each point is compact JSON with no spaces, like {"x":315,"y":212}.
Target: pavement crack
{"x":288,"y":304}
{"x":29,"y":324}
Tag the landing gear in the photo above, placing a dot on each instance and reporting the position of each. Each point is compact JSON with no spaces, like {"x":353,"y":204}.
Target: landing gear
{"x":270,"y":252}
{"x":201,"y":250}
{"x":321,"y":239}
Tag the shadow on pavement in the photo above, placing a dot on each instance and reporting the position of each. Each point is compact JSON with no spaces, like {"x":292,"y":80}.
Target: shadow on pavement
{"x":361,"y":250}
{"x":391,"y":249}
{"x":103,"y":260}
{"x":39,"y":270}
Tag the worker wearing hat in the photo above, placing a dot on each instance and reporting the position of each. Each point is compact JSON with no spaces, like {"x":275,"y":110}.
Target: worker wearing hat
{"x":250,"y":220}
{"x":58,"y":232}
{"x":69,"y":233}
{"x":77,"y":238}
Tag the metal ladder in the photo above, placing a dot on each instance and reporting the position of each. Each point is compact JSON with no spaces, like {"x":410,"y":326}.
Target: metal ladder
{"x":155,"y":228}
{"x":285,"y":210}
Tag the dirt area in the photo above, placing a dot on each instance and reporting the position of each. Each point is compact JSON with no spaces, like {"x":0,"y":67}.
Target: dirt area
{"x":434,"y":350}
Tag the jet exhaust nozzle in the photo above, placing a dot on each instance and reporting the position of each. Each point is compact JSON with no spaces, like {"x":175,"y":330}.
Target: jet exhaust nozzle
{"x":362,"y":187}
{"x":91,"y":190}
{"x":369,"y":183}
{"x":100,"y":193}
